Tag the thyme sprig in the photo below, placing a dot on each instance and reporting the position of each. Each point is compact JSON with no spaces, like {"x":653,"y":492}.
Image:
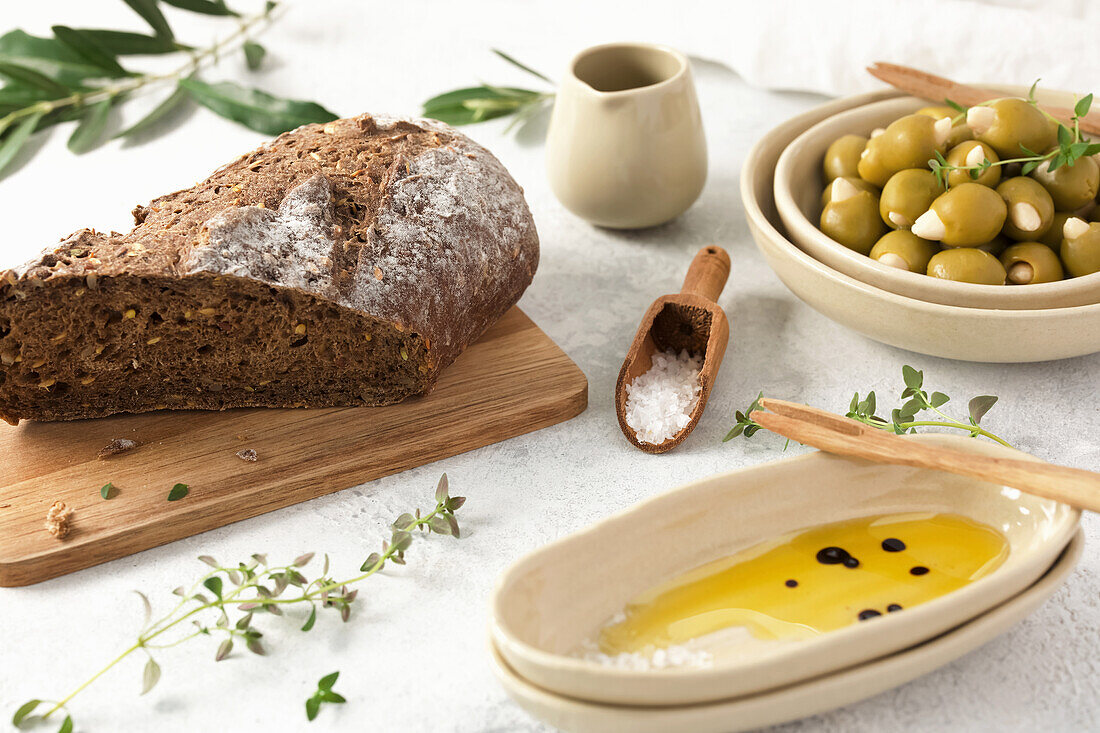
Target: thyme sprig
{"x":902,"y":419}
{"x":324,"y":694}
{"x":1072,"y":145}
{"x":78,"y":75}
{"x":486,"y":102}
{"x":250,"y":588}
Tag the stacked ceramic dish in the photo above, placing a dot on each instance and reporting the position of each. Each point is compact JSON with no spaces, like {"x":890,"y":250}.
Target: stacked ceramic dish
{"x":781,"y":187}
{"x":550,"y":605}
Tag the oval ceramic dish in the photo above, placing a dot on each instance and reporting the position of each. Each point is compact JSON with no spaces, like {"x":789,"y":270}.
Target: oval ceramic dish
{"x":797,"y":701}
{"x":797,"y":190}
{"x":952,"y":332}
{"x":550,"y":602}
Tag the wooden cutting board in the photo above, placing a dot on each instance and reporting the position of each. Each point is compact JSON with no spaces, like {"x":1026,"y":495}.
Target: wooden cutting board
{"x":514,"y":380}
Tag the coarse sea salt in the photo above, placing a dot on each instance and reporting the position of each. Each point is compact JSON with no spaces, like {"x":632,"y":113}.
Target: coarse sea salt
{"x":665,"y":658}
{"x":659,"y":402}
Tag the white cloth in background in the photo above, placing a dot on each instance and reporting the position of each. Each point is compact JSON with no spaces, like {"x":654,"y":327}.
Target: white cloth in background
{"x":824,"y":45}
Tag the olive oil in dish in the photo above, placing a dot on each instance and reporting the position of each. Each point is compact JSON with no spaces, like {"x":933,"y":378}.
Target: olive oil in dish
{"x":812,"y":581}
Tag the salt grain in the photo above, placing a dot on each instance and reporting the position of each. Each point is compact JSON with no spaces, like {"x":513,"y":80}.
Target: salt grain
{"x":659,"y":403}
{"x":667,"y":658}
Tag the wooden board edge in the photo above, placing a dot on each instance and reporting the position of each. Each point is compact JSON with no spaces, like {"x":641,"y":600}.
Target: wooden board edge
{"x":26,"y":571}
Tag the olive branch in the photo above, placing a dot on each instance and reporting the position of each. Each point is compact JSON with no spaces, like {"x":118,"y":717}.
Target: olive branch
{"x":78,"y":75}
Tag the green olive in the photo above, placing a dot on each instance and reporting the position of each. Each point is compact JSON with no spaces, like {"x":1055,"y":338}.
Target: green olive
{"x":1031,"y":262}
{"x":1081,"y":247}
{"x":959,"y":130}
{"x":1070,"y":186}
{"x":907,"y":195}
{"x":1053,"y":236}
{"x":827,"y":194}
{"x":853,"y":220}
{"x":1010,"y":125}
{"x":1030,"y":208}
{"x":966,"y":215}
{"x":968,"y":265}
{"x":964,"y":154}
{"x":994,"y":246}
{"x":904,"y":250}
{"x":908,"y":142}
{"x":842,"y":157}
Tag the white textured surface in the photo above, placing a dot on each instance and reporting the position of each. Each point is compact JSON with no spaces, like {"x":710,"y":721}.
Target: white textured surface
{"x":413,"y":658}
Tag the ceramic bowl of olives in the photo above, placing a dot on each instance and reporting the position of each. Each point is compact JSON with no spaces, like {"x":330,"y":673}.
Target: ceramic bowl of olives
{"x":954,"y":332}
{"x":923,"y":201}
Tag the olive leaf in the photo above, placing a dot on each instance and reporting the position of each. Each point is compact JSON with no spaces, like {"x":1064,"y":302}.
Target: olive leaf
{"x":127,"y":43}
{"x":522,"y":66}
{"x":48,"y":57}
{"x":254,"y":54}
{"x":30,"y":77}
{"x":88,"y":133}
{"x":151,"y":14}
{"x":158,"y":113}
{"x":206,"y":7}
{"x":88,"y":48}
{"x":478,"y":104}
{"x":254,"y":108}
{"x":17,"y":138}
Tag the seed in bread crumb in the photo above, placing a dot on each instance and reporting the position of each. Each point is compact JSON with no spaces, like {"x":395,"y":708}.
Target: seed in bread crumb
{"x":59,"y":520}
{"x":248,"y":455}
{"x":300,"y":328}
{"x":130,"y":313}
{"x":116,"y":446}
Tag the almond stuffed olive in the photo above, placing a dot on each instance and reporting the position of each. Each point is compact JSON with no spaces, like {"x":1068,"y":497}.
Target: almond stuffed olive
{"x":904,"y":250}
{"x":973,"y":153}
{"x":1070,"y":186}
{"x":1031,"y":262}
{"x":842,"y":157}
{"x":1010,"y":126}
{"x":968,"y":265}
{"x":851,"y":217}
{"x":966,"y":215}
{"x":908,"y":142}
{"x":907,"y":195}
{"x":1080,"y":249}
{"x":1030,"y":208}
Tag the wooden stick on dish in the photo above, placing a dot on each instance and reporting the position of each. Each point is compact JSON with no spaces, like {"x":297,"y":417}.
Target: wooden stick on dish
{"x":842,"y":435}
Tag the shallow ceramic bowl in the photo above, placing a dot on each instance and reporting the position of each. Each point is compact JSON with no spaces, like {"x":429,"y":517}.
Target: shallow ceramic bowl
{"x":952,"y":332}
{"x":797,"y":190}
{"x":796,"y":701}
{"x":550,"y":602}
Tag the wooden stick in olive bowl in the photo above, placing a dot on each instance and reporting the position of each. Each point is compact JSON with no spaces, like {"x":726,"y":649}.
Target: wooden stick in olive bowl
{"x":937,"y":89}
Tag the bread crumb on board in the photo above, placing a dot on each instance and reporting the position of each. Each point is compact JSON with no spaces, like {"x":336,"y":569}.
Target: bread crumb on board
{"x":58,"y":519}
{"x":116,"y":446}
{"x":248,"y":455}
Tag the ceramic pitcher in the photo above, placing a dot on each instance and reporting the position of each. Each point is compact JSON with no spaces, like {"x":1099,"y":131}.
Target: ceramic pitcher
{"x":625,"y":147}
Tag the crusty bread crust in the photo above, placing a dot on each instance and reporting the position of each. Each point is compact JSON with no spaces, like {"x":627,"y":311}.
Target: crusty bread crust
{"x":345,"y":263}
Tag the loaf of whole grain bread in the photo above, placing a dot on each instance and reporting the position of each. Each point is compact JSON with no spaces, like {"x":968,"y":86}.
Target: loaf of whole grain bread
{"x":340,"y":264}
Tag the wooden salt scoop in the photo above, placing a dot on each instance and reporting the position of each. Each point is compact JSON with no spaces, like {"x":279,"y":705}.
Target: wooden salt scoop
{"x":836,"y":434}
{"x":690,"y":319}
{"x":937,"y":89}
